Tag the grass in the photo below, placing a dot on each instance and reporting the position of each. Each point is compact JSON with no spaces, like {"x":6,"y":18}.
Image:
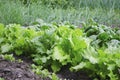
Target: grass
{"x":114,"y":4}
{"x":100,"y":10}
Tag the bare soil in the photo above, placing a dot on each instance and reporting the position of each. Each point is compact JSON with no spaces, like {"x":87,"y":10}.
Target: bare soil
{"x":16,"y":71}
{"x":21,"y":71}
{"x":65,"y":73}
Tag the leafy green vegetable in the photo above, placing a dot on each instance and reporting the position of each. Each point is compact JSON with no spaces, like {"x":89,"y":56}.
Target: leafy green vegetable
{"x":95,"y":48}
{"x":5,"y":48}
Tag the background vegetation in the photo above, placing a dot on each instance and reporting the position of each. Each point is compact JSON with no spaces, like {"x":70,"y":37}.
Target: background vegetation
{"x":27,"y":11}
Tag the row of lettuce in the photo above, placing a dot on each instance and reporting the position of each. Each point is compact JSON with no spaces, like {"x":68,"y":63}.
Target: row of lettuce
{"x":94,"y":48}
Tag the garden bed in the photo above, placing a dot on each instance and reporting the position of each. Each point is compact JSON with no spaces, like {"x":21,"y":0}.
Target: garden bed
{"x":21,"y":71}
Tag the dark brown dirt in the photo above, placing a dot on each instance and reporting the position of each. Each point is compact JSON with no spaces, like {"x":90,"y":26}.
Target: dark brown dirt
{"x":16,"y":71}
{"x":65,"y":73}
{"x":21,"y":71}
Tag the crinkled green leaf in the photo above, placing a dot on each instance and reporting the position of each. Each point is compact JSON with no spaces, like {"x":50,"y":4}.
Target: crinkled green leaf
{"x":91,"y":55}
{"x":1,"y":29}
{"x":6,"y":48}
{"x":79,"y":66}
{"x":77,"y":58}
{"x":1,"y":40}
{"x":54,"y":76}
{"x":18,"y":52}
{"x":56,"y":66}
{"x":104,"y":36}
{"x":60,"y":55}
{"x":111,"y":67}
{"x":78,"y":43}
